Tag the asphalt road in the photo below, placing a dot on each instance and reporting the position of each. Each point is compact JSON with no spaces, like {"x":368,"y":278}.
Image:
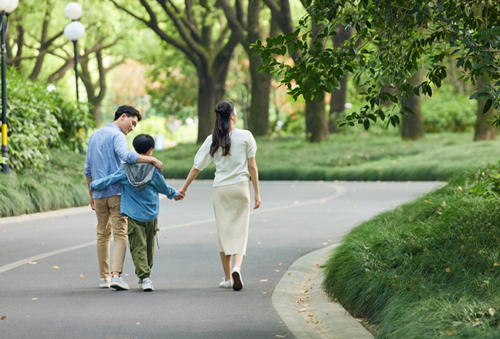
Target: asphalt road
{"x":58,"y":297}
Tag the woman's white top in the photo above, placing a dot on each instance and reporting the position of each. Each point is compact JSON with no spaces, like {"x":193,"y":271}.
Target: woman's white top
{"x":230,"y":169}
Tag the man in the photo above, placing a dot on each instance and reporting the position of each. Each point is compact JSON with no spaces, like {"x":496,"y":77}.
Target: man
{"x":107,"y":150}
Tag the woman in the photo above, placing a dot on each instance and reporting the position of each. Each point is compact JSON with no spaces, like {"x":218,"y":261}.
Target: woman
{"x":233,"y":152}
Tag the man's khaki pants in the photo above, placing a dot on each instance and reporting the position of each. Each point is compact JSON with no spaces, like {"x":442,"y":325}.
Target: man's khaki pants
{"x":110,"y":221}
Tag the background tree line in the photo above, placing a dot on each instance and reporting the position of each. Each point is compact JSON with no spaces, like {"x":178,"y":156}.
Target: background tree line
{"x":190,"y":43}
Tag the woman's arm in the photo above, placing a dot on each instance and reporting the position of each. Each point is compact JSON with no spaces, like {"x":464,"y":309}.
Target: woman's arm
{"x":254,"y":174}
{"x":190,"y":178}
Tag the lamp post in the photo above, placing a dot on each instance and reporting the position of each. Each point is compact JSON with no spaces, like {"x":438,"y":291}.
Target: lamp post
{"x":74,"y":31}
{"x":6,"y":7}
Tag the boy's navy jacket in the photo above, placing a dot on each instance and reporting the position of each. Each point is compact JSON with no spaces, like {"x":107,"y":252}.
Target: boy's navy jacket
{"x":141,"y":184}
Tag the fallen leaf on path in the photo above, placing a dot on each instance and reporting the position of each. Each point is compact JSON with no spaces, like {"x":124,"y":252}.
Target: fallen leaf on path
{"x":165,"y":238}
{"x":264,"y":292}
{"x":81,"y":275}
{"x":4,"y":317}
{"x":277,"y":270}
{"x":317,"y":265}
{"x":56,"y":267}
{"x":263,"y":280}
{"x":280,"y":336}
{"x":32,"y":262}
{"x":279,"y":264}
{"x":259,"y":243}
{"x":325,"y":243}
{"x":34,"y":298}
{"x":138,"y":323}
{"x":289,"y":273}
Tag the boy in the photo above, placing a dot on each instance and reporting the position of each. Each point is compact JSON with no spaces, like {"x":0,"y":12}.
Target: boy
{"x":141,"y":184}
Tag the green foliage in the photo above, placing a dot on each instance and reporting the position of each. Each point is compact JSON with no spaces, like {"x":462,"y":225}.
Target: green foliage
{"x":352,"y":157}
{"x":59,"y":184}
{"x":38,"y":120}
{"x":389,"y":45}
{"x":428,"y":269}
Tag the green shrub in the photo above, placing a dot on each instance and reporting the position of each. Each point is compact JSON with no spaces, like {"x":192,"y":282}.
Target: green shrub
{"x":427,"y":269}
{"x":39,"y":120}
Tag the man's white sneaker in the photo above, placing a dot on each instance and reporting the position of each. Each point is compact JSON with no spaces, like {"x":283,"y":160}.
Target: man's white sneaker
{"x":147,"y":285}
{"x":118,"y":283}
{"x":237,"y":281}
{"x":104,"y":283}
{"x":226,"y":283}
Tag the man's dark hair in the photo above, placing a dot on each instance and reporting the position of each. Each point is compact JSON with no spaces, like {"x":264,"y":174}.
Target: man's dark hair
{"x":143,"y":143}
{"x":129,"y":111}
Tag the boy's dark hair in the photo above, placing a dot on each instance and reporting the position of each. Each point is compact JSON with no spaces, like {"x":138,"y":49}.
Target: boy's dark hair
{"x":129,"y":111}
{"x":143,"y":143}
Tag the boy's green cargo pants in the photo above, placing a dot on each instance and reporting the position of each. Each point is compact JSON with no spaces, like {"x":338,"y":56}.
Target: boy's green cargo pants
{"x":141,"y":236}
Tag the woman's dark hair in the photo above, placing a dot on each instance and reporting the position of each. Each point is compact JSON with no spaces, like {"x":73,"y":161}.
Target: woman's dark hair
{"x":220,"y":135}
{"x":143,"y":143}
{"x":129,"y":111}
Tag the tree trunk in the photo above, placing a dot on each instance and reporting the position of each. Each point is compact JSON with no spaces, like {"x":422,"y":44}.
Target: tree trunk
{"x":412,"y":124}
{"x":206,"y":105}
{"x":316,"y":124}
{"x":338,"y":98}
{"x":258,"y":121}
{"x":484,"y":129}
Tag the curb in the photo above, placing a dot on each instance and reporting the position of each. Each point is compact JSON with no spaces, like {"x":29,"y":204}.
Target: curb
{"x":306,"y":309}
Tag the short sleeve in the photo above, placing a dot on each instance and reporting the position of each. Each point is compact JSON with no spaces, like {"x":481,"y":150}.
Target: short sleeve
{"x":203,"y":157}
{"x":251,"y":147}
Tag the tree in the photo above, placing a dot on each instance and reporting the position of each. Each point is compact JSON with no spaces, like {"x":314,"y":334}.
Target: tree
{"x":484,"y":130}
{"x":412,"y":124}
{"x":196,"y":27}
{"x":247,"y":29}
{"x":388,"y":45}
{"x":338,"y":97}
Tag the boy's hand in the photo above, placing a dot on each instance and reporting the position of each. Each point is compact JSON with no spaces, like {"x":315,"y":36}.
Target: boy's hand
{"x":182,"y":192}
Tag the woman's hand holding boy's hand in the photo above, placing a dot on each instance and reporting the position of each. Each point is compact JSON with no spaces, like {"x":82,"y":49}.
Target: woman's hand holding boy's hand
{"x":182,"y":195}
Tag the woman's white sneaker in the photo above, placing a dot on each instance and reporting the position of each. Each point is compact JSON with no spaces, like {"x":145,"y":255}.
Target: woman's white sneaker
{"x":226,"y":283}
{"x":237,"y":281}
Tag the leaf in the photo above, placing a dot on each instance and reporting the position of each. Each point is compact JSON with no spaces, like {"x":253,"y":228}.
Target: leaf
{"x":4,"y":317}
{"x":34,"y":298}
{"x":487,"y":106}
{"x":448,"y":270}
{"x":81,"y":275}
{"x":32,"y":262}
{"x":263,"y":280}
{"x":56,"y":267}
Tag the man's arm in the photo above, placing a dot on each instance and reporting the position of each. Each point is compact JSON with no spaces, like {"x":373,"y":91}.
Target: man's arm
{"x":89,"y":180}
{"x":124,"y":153}
{"x":118,"y":176}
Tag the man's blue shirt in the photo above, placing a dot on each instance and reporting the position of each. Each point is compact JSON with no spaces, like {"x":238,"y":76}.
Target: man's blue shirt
{"x":141,"y":205}
{"x":107,"y":150}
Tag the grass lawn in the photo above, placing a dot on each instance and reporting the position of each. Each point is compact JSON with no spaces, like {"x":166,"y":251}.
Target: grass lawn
{"x":353,"y":157}
{"x":427,"y":269}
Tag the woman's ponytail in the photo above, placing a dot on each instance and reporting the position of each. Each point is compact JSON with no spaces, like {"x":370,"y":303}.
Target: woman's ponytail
{"x":222,"y":128}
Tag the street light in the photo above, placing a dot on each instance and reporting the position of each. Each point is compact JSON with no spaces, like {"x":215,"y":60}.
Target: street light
{"x":6,"y":7}
{"x":74,"y":31}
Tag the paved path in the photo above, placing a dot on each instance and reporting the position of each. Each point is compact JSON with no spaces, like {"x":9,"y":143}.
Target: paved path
{"x":58,"y":296}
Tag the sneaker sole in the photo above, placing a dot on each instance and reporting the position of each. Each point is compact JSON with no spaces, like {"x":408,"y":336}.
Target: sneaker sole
{"x":237,"y":283}
{"x":119,"y":287}
{"x":148,"y":289}
{"x":104,"y":286}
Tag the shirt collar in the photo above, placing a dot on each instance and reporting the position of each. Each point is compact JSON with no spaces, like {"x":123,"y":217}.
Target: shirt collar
{"x":110,"y":124}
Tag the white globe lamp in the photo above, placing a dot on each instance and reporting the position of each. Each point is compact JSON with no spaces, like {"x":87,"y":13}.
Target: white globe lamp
{"x":4,"y":4}
{"x":74,"y":30}
{"x":12,"y":6}
{"x":73,"y":11}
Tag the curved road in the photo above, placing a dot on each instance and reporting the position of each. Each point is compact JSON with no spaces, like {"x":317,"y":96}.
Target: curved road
{"x":58,"y":296}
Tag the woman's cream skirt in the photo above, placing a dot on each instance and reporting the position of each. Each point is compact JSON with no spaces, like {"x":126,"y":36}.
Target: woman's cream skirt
{"x":232,"y":214}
